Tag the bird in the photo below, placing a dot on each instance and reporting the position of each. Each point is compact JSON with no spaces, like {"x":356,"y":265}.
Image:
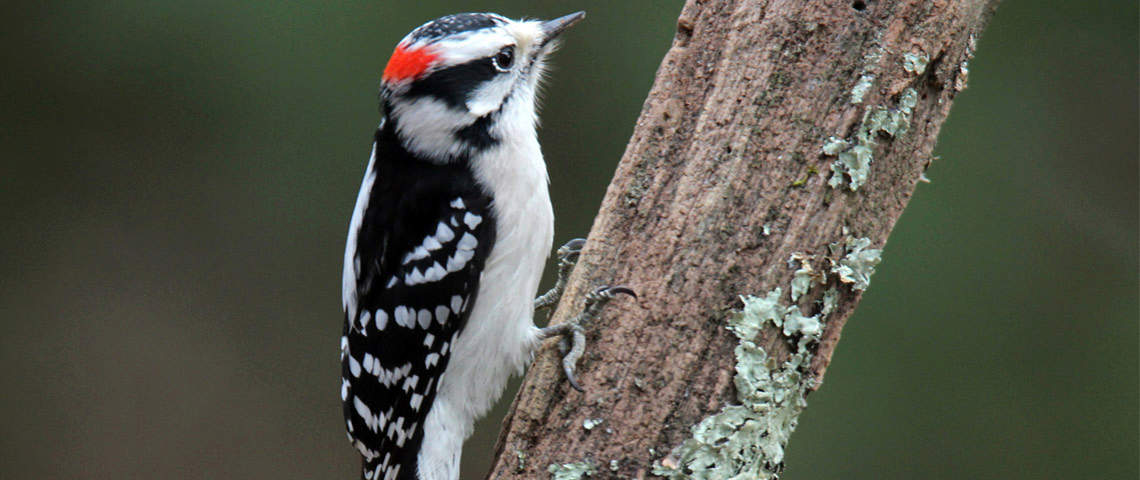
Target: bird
{"x":447,"y":242}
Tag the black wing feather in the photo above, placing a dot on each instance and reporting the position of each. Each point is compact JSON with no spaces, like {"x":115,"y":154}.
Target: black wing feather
{"x":421,"y":247}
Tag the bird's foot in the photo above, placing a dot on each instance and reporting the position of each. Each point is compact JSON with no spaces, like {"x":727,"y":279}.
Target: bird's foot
{"x":573,"y":341}
{"x":567,"y":257}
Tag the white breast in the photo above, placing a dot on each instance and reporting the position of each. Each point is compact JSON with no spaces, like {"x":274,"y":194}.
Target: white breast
{"x":500,"y":334}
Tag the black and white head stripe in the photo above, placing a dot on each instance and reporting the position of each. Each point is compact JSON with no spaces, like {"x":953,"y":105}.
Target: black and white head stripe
{"x":449,"y":80}
{"x":453,"y":24}
{"x":419,"y":251}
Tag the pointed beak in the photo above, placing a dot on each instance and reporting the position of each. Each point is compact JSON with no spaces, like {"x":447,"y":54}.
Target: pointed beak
{"x":552,"y":28}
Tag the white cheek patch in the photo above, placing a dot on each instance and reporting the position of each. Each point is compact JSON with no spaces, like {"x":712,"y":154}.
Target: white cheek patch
{"x":428,"y":126}
{"x":491,"y":94}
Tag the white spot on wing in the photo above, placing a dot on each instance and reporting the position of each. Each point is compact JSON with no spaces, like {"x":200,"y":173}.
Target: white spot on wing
{"x":435,"y":273}
{"x":424,"y":318}
{"x":455,"y":265}
{"x":456,"y":303}
{"x":418,"y":254}
{"x":381,"y":319}
{"x":441,"y":313}
{"x":414,"y":278}
{"x":468,"y":242}
{"x":462,"y":256}
{"x":353,"y":366}
{"x":443,"y":233}
{"x":362,"y":411}
{"x":429,"y":339}
{"x":368,"y":363}
{"x":458,"y":204}
{"x":403,"y":317}
{"x":431,"y":360}
{"x":369,"y":454}
{"x":365,"y":317}
{"x":472,"y":220}
{"x":416,"y":400}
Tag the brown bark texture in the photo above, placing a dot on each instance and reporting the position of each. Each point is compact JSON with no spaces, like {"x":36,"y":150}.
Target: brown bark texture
{"x":724,"y":179}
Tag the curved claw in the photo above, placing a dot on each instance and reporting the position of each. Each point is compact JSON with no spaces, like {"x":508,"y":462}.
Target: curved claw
{"x":575,"y":244}
{"x":573,"y":247}
{"x":570,"y":360}
{"x":621,"y":289}
{"x":608,"y":292}
{"x":571,"y":331}
{"x":569,"y":372}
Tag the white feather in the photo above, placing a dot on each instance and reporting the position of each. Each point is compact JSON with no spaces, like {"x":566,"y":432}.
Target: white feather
{"x":351,"y":264}
{"x":500,"y":331}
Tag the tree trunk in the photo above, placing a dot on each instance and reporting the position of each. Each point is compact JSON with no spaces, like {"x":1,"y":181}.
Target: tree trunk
{"x":778,"y":146}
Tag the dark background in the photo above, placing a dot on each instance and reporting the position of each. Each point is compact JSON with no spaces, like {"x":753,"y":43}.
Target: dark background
{"x":178,"y":178}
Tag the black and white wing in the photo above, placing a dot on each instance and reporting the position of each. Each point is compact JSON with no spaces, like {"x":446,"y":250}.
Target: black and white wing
{"x":425,"y":233}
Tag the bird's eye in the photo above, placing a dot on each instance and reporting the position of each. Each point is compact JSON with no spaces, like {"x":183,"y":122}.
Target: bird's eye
{"x":504,"y":59}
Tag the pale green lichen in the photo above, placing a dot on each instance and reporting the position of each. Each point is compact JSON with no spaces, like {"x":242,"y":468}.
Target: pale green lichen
{"x":830,"y":298}
{"x":834,"y":145}
{"x":866,"y":80}
{"x":861,"y":87}
{"x":761,"y":310}
{"x":803,"y":277}
{"x":853,"y":165}
{"x":797,"y":324}
{"x":874,"y":55}
{"x":570,"y":471}
{"x":964,"y":69}
{"x":915,"y":62}
{"x":963,"y":76}
{"x":590,"y":423}
{"x":801,"y":282}
{"x":857,"y":263}
{"x":747,"y":441}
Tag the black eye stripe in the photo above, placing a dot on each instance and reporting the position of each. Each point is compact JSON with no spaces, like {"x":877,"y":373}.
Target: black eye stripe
{"x":453,"y":85}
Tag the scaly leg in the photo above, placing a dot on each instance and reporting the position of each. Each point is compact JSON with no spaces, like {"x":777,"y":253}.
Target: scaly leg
{"x":567,"y":257}
{"x":573,"y":343}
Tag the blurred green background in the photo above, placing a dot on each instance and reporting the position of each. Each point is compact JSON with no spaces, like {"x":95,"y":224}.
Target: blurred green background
{"x":178,"y":178}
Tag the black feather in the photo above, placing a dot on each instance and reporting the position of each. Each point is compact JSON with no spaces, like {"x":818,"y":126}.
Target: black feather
{"x":409,"y":200}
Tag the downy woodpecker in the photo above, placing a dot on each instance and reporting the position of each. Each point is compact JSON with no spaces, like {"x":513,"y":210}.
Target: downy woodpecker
{"x":447,"y":243}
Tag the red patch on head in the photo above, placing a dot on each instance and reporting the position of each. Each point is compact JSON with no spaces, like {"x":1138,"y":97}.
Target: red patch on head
{"x":408,"y":64}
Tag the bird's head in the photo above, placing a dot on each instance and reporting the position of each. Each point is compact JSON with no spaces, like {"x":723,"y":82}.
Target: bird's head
{"x":464,"y":82}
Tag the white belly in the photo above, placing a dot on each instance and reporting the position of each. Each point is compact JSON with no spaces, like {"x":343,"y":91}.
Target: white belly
{"x":500,"y":336}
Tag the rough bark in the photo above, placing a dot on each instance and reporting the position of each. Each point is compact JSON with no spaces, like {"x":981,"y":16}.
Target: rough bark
{"x":723,"y":180}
